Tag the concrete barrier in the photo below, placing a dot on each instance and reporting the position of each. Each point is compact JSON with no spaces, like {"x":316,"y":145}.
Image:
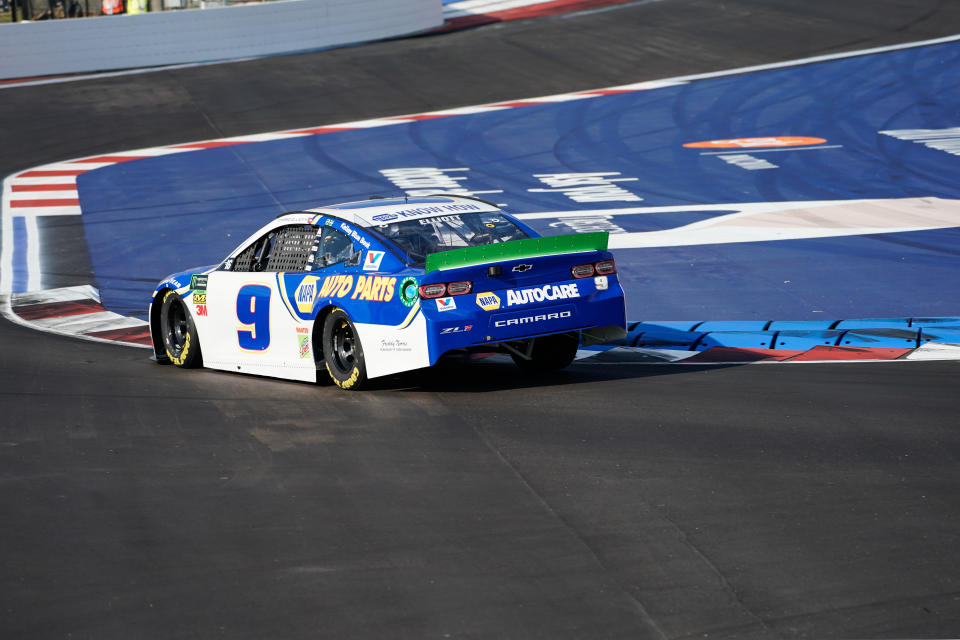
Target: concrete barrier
{"x":202,"y":35}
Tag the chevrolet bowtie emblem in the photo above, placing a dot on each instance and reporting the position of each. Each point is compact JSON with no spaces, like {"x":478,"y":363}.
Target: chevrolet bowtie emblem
{"x":523,"y":267}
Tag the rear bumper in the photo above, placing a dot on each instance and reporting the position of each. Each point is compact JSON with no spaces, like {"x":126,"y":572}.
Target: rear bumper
{"x":468,"y":324}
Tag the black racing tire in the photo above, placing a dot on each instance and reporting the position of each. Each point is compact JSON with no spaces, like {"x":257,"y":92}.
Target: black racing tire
{"x":550,"y":353}
{"x":342,"y":352}
{"x":179,"y":335}
{"x":323,"y":376}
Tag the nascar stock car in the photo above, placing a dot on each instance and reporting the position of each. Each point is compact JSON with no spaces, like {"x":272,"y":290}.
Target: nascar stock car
{"x":354,"y":291}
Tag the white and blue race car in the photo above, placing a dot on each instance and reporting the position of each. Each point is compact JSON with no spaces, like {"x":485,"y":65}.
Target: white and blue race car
{"x":355,"y":291}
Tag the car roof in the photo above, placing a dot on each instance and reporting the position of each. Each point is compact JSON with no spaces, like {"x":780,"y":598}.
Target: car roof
{"x":368,"y":213}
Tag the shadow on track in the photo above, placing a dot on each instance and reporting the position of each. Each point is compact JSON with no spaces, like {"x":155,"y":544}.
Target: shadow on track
{"x":489,"y":377}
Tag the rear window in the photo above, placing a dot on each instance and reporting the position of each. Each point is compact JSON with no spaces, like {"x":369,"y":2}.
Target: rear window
{"x":442,"y":233}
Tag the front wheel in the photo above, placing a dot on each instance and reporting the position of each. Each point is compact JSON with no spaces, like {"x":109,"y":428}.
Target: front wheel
{"x":179,"y":335}
{"x":549,"y":353}
{"x":342,"y":351}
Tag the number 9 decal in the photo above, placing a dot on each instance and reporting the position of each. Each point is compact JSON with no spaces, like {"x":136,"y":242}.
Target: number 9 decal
{"x":253,"y":312}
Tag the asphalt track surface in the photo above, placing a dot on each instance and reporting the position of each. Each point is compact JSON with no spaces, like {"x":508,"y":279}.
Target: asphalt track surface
{"x":608,"y":501}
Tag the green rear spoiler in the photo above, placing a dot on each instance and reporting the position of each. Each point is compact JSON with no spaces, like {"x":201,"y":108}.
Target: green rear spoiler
{"x":527,"y":248}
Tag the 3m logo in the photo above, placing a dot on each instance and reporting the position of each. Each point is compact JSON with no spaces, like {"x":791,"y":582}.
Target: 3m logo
{"x":488,"y":301}
{"x":446,"y":304}
{"x":373,"y":260}
{"x":750,"y":143}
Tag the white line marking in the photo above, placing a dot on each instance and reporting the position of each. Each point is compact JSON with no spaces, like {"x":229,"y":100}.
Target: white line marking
{"x":751,"y":150}
{"x":35,"y":212}
{"x":362,"y":124}
{"x":463,"y":111}
{"x":46,"y":194}
{"x":560,"y":97}
{"x":644,"y":85}
{"x":935,"y":351}
{"x":19,"y":180}
{"x":815,"y":59}
{"x":33,"y":254}
{"x":613,"y":7}
{"x":69,"y":165}
{"x":742,"y":207}
{"x":776,"y":221}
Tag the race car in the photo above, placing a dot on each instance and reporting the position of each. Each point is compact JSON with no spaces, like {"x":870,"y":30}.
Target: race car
{"x":354,"y":291}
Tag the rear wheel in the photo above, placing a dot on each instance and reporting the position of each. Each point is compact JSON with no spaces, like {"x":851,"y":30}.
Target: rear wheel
{"x":342,"y":352}
{"x":549,"y":353}
{"x":179,"y":335}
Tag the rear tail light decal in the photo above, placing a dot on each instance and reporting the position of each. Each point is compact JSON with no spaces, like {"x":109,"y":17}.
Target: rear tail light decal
{"x":459,"y":288}
{"x":602,"y":268}
{"x":441,"y":289}
{"x":432,"y":290}
{"x":582,"y":271}
{"x":605,"y":267}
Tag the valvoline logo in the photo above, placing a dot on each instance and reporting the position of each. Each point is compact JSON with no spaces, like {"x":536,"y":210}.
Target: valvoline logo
{"x":373,"y":260}
{"x":750,"y":143}
{"x":446,"y":304}
{"x":306,"y":293}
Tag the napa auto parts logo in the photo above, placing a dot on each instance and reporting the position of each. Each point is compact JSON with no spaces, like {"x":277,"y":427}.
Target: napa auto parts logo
{"x":751,"y":143}
{"x":488,"y":301}
{"x":306,"y":294}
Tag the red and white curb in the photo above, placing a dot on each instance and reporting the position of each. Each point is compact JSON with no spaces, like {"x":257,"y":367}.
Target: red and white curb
{"x":472,"y":13}
{"x":75,"y":312}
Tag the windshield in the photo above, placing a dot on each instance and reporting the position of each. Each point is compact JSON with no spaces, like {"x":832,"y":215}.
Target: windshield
{"x":442,"y":233}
